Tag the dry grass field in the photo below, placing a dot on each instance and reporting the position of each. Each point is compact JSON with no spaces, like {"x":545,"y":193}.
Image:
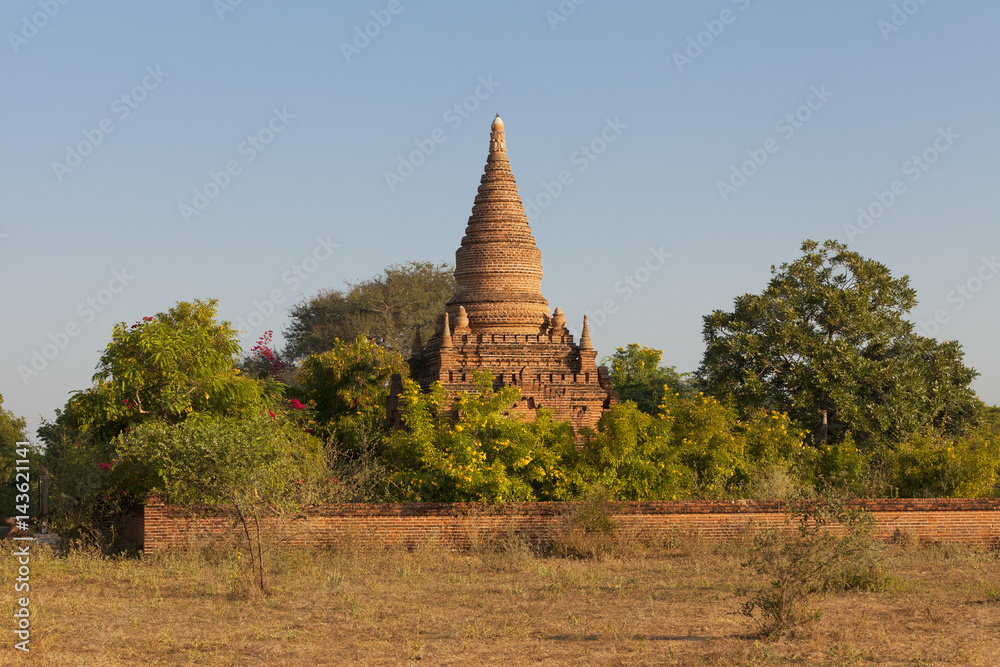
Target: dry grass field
{"x":664,"y":604}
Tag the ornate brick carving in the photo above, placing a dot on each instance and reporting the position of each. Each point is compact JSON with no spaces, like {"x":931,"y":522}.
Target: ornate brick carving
{"x":498,"y":318}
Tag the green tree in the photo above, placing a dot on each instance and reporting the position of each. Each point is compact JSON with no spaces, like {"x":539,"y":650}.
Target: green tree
{"x":75,"y":474}
{"x":827,"y":341}
{"x":171,"y":367}
{"x":258,"y":467}
{"x":693,"y":447}
{"x":636,"y":374}
{"x":348,"y":386}
{"x":630,"y":457}
{"x":174,"y":366}
{"x":12,"y":432}
{"x":386,"y":309}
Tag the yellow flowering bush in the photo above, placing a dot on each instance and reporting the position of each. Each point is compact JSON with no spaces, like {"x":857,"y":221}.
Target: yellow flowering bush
{"x":629,"y":458}
{"x":474,"y":450}
{"x":693,"y":448}
{"x":932,"y":464}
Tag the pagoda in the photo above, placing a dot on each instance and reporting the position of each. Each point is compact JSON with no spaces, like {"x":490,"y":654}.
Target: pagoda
{"x":499,"y":320}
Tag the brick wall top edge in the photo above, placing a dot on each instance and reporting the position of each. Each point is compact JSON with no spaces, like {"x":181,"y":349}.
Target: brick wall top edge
{"x":640,"y":507}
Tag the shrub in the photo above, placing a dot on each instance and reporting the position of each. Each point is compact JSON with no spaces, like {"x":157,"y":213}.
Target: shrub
{"x":636,"y":374}
{"x":257,"y":467}
{"x":796,"y":569}
{"x":589,"y":532}
{"x":484,"y":454}
{"x":629,"y":458}
{"x":932,"y":464}
{"x":347,"y":387}
{"x":694,"y":447}
{"x":727,"y":456}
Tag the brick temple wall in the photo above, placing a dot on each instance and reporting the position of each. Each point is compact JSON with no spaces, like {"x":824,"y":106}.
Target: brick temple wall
{"x":546,"y":368}
{"x":972,"y":521}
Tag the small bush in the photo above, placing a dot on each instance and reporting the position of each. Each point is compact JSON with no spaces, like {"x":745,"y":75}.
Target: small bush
{"x":796,"y":569}
{"x":935,"y":465}
{"x":590,"y":531}
{"x":509,"y":553}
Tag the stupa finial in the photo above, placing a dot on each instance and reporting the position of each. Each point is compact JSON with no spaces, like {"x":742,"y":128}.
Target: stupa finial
{"x":462,"y":321}
{"x":558,"y":321}
{"x":446,"y":334}
{"x":585,"y":343}
{"x":498,"y":144}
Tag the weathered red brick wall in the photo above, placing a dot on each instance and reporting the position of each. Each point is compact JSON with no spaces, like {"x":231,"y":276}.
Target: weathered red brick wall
{"x":974,"y":521}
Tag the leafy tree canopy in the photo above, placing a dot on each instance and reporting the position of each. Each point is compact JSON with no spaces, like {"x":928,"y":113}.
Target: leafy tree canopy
{"x":11,"y":432}
{"x":828,"y":338}
{"x":385,"y":309}
{"x":692,"y":448}
{"x":636,"y":374}
{"x":257,"y":465}
{"x":348,"y":386}
{"x":173,"y":366}
{"x":11,"y":429}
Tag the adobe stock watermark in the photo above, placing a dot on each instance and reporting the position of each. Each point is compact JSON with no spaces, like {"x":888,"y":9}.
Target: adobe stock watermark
{"x":372,"y":29}
{"x":293,"y":277}
{"x":248,"y":149}
{"x":454,"y":116}
{"x":22,"y":539}
{"x":86,"y":312}
{"x":223,"y":7}
{"x":697,"y":43}
{"x":914,"y":168}
{"x":582,"y":158}
{"x":786,"y":126}
{"x":629,"y":285}
{"x":963,"y":293}
{"x":900,"y":15}
{"x":122,"y":107}
{"x":31,"y":25}
{"x":564,"y":10}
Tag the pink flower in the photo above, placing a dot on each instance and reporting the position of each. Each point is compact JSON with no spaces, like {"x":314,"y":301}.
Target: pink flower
{"x":297,"y":404}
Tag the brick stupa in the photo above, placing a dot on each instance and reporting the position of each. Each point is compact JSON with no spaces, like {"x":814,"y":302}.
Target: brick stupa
{"x":499,"y":320}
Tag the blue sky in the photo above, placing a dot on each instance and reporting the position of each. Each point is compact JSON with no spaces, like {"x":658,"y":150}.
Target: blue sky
{"x":159,"y":152}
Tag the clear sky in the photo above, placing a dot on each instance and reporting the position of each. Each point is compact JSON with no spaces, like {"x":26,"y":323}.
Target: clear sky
{"x":160,"y":152}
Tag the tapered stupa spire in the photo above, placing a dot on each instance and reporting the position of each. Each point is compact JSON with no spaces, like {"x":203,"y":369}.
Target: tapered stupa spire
{"x":498,"y":268}
{"x":446,"y":334}
{"x":585,"y":342}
